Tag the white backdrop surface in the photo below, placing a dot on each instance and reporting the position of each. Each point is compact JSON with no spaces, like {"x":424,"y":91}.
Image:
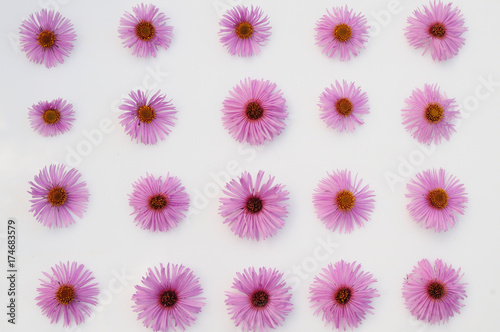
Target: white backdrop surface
{"x":196,"y":72}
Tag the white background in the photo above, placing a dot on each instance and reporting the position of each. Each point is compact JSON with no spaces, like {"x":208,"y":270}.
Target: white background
{"x":197,"y":72}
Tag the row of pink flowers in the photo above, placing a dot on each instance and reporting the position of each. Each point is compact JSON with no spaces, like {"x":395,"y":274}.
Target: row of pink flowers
{"x":253,"y":208}
{"x":169,"y":297}
{"x":255,"y":112}
{"x":48,"y":38}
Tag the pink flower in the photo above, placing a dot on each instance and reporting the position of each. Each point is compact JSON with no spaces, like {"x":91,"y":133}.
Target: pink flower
{"x":254,"y":210}
{"x":51,"y":118}
{"x":145,"y":31}
{"x":433,"y":293}
{"x":260,"y":300}
{"x":436,"y":199}
{"x":254,"y":112}
{"x":342,"y":293}
{"x":243,"y":31}
{"x":343,"y":202}
{"x":437,"y":28}
{"x":429,"y":116}
{"x":147,"y":118}
{"x":58,"y":195}
{"x":341,"y":33}
{"x":342,"y":106}
{"x":159,"y":204}
{"x":169,"y":298}
{"x":47,"y":38}
{"x":67,"y":293}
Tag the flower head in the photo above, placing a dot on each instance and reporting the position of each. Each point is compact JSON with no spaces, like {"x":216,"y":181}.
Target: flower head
{"x":341,"y":33}
{"x":51,"y":118}
{"x":343,"y":202}
{"x":437,"y":28}
{"x":147,"y":118}
{"x":436,"y":199}
{"x":433,"y":293}
{"x":243,"y":31}
{"x":145,"y":31}
{"x":342,"y":293}
{"x":159,"y":205}
{"x":67,"y":292}
{"x":343,"y":105}
{"x":169,"y":298}
{"x":429,"y":116}
{"x":58,"y":195}
{"x":47,"y":37}
{"x":260,"y":300}
{"x":254,"y":210}
{"x":254,"y":112}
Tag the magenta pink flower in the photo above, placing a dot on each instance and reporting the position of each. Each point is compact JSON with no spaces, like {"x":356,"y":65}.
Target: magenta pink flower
{"x":147,"y":119}
{"x":254,"y":210}
{"x":58,"y":195}
{"x":244,"y":31}
{"x":68,"y":293}
{"x":169,"y":298}
{"x":429,"y":116}
{"x":433,"y":293}
{"x":341,"y":33}
{"x":159,"y":205}
{"x":343,"y":105}
{"x":260,"y":300}
{"x":343,"y":293}
{"x":145,"y":31}
{"x":51,"y":118}
{"x":342,"y":202}
{"x":437,"y":28}
{"x":254,"y":112}
{"x":47,"y":37}
{"x":436,"y":199}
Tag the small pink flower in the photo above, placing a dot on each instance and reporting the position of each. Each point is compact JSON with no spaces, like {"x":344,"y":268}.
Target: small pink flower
{"x":341,"y":33}
{"x":433,"y":292}
{"x":437,"y":28}
{"x":145,"y":31}
{"x":436,"y":199}
{"x":244,"y":31}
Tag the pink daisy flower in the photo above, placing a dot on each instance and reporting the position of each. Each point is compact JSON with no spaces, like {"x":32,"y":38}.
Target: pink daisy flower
{"x":436,"y":199}
{"x":159,"y":205}
{"x":67,"y":292}
{"x":433,"y":293}
{"x":343,"y":105}
{"x":51,"y":118}
{"x":437,"y":28}
{"x":243,"y":31}
{"x":145,"y":31}
{"x":343,"y":202}
{"x":147,"y":119}
{"x":254,"y":112}
{"x":341,"y":33}
{"x":169,"y":298}
{"x":342,"y":293}
{"x":58,"y":195}
{"x":429,"y":116}
{"x":260,"y":300}
{"x":254,"y":210}
{"x":47,"y":37}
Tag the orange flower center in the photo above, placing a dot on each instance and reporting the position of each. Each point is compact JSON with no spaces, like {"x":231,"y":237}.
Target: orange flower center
{"x":434,"y":113}
{"x":437,"y":30}
{"x":254,"y":111}
{"x":260,"y":299}
{"x":438,"y":198}
{"x":436,"y":290}
{"x":146,"y":114}
{"x":57,"y":196}
{"x":46,"y":39}
{"x":342,"y":32}
{"x":343,"y":296}
{"x":345,"y":200}
{"x":343,"y":106}
{"x":65,"y":294}
{"x":145,"y":31}
{"x":158,"y":202}
{"x":51,"y":116}
{"x":244,"y":30}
